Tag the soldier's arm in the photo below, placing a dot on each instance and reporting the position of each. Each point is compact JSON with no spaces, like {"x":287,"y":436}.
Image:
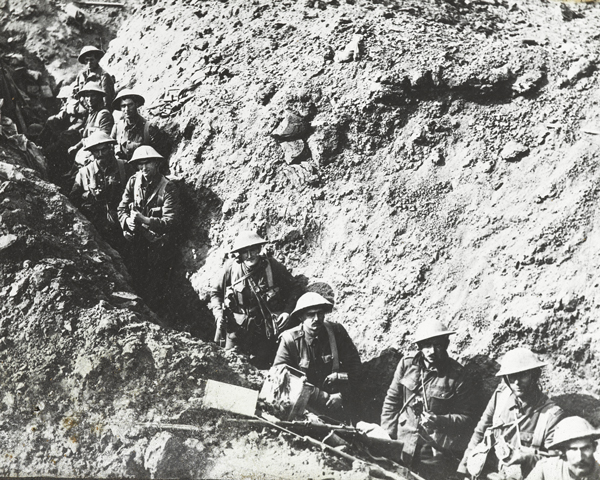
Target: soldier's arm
{"x":394,"y":399}
{"x":289,"y":287}
{"x":217,"y":291}
{"x":284,"y":354}
{"x":349,"y":356}
{"x":126,"y":202}
{"x":484,"y":423}
{"x":169,"y":218}
{"x":106,"y":121}
{"x":76,"y":195}
{"x":107,"y":84}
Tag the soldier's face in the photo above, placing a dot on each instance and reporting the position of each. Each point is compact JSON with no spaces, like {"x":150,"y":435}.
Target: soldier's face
{"x":92,"y":102}
{"x":312,"y":320}
{"x":149,"y":168}
{"x":580,"y":457}
{"x":521,"y":383}
{"x":91,"y":61}
{"x":250,"y":256}
{"x":434,"y":350}
{"x":128,"y":108}
{"x":102,"y":153}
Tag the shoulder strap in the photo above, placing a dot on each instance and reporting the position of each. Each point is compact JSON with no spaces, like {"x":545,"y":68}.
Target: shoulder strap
{"x":333,"y":345}
{"x":159,"y":192}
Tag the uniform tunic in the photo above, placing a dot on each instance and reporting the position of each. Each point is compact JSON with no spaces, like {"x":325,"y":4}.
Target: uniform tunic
{"x":97,"y":193}
{"x":448,"y":395}
{"x":231,"y":294}
{"x":558,"y":469}
{"x":131,"y":136}
{"x":102,"y":77}
{"x":536,"y":424}
{"x":152,"y":247}
{"x":314,"y":358}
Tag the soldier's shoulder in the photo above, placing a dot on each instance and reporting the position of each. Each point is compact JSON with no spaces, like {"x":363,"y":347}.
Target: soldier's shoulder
{"x":292,"y":334}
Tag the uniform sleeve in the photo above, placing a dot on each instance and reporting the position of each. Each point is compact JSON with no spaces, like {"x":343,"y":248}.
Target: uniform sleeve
{"x":284,"y":355}
{"x":169,"y":218}
{"x":394,"y":400}
{"x":556,"y":416}
{"x":217,"y":288}
{"x":107,"y":84}
{"x":105,"y":121}
{"x":484,"y":423}
{"x":76,"y":195}
{"x":125,"y":206}
{"x":349,"y":356}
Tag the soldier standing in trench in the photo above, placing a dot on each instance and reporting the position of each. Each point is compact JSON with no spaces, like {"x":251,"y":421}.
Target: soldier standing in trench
{"x":99,"y":186}
{"x":131,"y":130}
{"x":149,"y":216}
{"x":92,"y":72}
{"x":325,"y":353}
{"x":251,"y":299}
{"x":98,"y":119}
{"x":429,"y":405}
{"x":519,"y":420}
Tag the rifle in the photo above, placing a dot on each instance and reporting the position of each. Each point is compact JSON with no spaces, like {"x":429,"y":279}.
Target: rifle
{"x":380,"y":471}
{"x":269,"y":317}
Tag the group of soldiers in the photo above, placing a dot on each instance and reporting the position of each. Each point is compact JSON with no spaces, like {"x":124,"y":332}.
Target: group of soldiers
{"x":112,"y":173}
{"x":429,"y":411}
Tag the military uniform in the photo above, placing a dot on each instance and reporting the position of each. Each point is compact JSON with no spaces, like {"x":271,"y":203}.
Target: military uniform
{"x":527,"y":429}
{"x":96,"y":193}
{"x":151,"y":248}
{"x":444,"y":392}
{"x":103,"y":78}
{"x":558,"y":469}
{"x":331,"y":351}
{"x":131,"y":136}
{"x":232,"y":293}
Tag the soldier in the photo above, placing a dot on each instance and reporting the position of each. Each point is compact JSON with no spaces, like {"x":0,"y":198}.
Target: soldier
{"x":98,"y":119}
{"x":429,"y":404}
{"x":519,"y":420}
{"x":93,"y":72}
{"x":576,"y":440}
{"x":99,"y":186}
{"x":251,"y":299}
{"x":325,"y":353}
{"x":131,"y":130}
{"x":149,"y":215}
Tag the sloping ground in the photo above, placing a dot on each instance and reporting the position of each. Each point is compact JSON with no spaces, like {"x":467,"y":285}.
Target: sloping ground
{"x":83,"y":360}
{"x":452,"y":168}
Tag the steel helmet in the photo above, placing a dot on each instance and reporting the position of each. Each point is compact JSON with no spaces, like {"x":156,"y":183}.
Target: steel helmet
{"x":311,"y":300}
{"x":87,"y":50}
{"x":90,"y":87}
{"x":65,"y":92}
{"x":127,"y":93}
{"x":519,"y":360}
{"x":247,"y":239}
{"x":429,"y":329}
{"x":98,"y":138}
{"x":573,"y":428}
{"x":145,"y":152}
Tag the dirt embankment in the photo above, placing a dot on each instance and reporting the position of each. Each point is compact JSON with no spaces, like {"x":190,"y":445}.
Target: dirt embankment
{"x":449,"y":164}
{"x":444,"y":164}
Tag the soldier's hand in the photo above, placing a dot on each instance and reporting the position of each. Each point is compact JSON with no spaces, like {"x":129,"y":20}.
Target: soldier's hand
{"x":429,"y":420}
{"x":335,"y":401}
{"x":517,"y":458}
{"x":283,"y":321}
{"x":72,"y":149}
{"x":130,"y":224}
